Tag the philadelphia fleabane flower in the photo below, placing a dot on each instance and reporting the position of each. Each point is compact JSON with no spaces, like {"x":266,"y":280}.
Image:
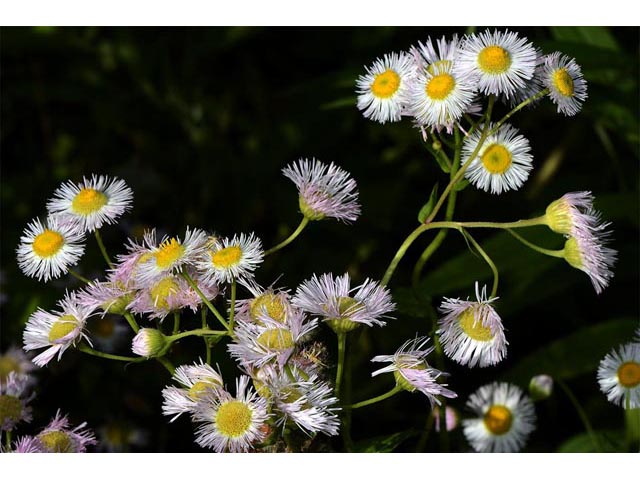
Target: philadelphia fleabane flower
{"x":110,"y":296}
{"x":619,"y":376}
{"x":324,"y":190}
{"x":471,"y":332}
{"x":59,"y":437}
{"x":500,"y":62}
{"x":226,"y":259}
{"x":503,"y":162}
{"x":56,"y":331}
{"x":505,"y":418}
{"x":47,"y":250}
{"x":563,"y":77}
{"x":439,"y":96}
{"x":93,"y":202}
{"x":14,"y":397}
{"x":273,"y":303}
{"x":412,"y":372}
{"x":383,"y":90}
{"x":228,"y":423}
{"x":195,"y":380}
{"x":15,"y":360}
{"x":589,"y":252}
{"x":342,"y":307}
{"x":573,"y":214}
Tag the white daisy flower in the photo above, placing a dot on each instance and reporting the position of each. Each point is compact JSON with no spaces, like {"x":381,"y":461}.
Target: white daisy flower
{"x":227,"y":259}
{"x":503,"y":162}
{"x":589,"y":252}
{"x":14,"y":397}
{"x":231,"y":424}
{"x":170,"y":255}
{"x":505,"y":418}
{"x":563,"y":77}
{"x":93,"y":202}
{"x":47,"y":251}
{"x":383,"y":91}
{"x":56,"y":331}
{"x":324,"y":190}
{"x":342,"y":307}
{"x":59,"y":437}
{"x":438,"y":96}
{"x":15,"y":360}
{"x":619,"y":376}
{"x":195,"y":379}
{"x":274,"y":303}
{"x":471,"y":332}
{"x":412,"y":372}
{"x":501,"y":62}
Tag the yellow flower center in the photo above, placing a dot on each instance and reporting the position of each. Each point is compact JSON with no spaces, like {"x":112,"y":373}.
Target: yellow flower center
{"x":473,"y":327}
{"x":563,"y":82}
{"x":226,"y":257}
{"x":270,"y":303}
{"x":62,"y":327}
{"x":440,"y":86}
{"x":346,"y":307}
{"x":233,"y":419}
{"x":168,"y":253}
{"x":7,"y":365}
{"x":199,"y":389}
{"x":629,"y":374}
{"x":162,"y":290}
{"x":385,"y":84}
{"x":88,"y":201}
{"x":276,"y":339}
{"x":48,"y":243}
{"x":498,"y":419}
{"x":10,"y":409}
{"x":494,"y":60}
{"x":496,"y":158}
{"x":103,"y":327}
{"x":56,"y":441}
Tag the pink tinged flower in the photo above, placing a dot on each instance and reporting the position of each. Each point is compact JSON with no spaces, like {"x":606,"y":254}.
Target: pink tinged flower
{"x":273,"y":303}
{"x":452,"y":418}
{"x":324,"y":190}
{"x":110,"y":297}
{"x":125,"y":270}
{"x":228,"y":423}
{"x":573,"y":214}
{"x":56,"y":331}
{"x":471,"y":332}
{"x":93,"y":202}
{"x":412,"y":372}
{"x":14,"y":398}
{"x":60,"y":437}
{"x":342,"y":307}
{"x":27,"y":444}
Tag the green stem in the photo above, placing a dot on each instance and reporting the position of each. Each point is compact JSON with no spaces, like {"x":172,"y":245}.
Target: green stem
{"x":176,"y":322}
{"x":79,"y":277}
{"x":166,"y":363}
{"x":544,"y":251}
{"x":232,"y":311}
{"x":102,"y":249}
{"x":342,"y":345}
{"x":109,"y":356}
{"x":487,"y":259}
{"x":530,"y":222}
{"x":373,"y":400}
{"x":444,"y":433}
{"x":213,"y":309}
{"x":581,"y":413}
{"x":132,"y":321}
{"x":290,"y":238}
{"x":519,"y":107}
{"x":8,"y":441}
{"x":401,"y":251}
{"x":205,"y":326}
{"x":425,"y":433}
{"x":200,"y":332}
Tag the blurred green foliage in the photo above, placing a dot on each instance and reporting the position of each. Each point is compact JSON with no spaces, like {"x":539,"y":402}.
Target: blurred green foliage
{"x":199,"y":122}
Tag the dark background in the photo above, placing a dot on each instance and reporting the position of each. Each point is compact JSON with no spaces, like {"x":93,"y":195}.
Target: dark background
{"x":200,"y":121}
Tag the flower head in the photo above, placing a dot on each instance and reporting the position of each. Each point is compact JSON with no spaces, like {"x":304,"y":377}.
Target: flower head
{"x":59,"y":437}
{"x":471,"y":332}
{"x":324,"y":190}
{"x":342,"y":307}
{"x":93,"y":202}
{"x":14,"y":397}
{"x":226,"y":259}
{"x":383,"y":90}
{"x":503,"y":162}
{"x":148,"y":342}
{"x":195,"y":381}
{"x":412,"y":372}
{"x":110,"y":297}
{"x":276,"y":304}
{"x":573,"y":214}
{"x":619,"y":376}
{"x":15,"y":360}
{"x":47,"y":250}
{"x":589,"y":253}
{"x":504,"y":418}
{"x":563,"y":77}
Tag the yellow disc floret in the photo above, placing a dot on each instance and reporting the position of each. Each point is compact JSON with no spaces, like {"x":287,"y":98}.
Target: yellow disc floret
{"x":56,"y":441}
{"x":226,"y":257}
{"x":199,"y":389}
{"x":473,"y":326}
{"x":10,"y":409}
{"x":62,"y":327}
{"x":496,"y":158}
{"x":88,"y":201}
{"x":494,"y":60}
{"x":276,"y":339}
{"x":629,"y":374}
{"x":272,"y":304}
{"x":498,"y":419}
{"x":440,"y":86}
{"x":347,"y":306}
{"x":385,"y":84}
{"x":162,"y":290}
{"x":168,"y":253}
{"x":563,"y":82}
{"x":233,"y":419}
{"x":48,"y":243}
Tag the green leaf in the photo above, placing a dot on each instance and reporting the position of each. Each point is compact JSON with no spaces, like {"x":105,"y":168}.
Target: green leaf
{"x":610,"y":440}
{"x":442,"y":161}
{"x":593,"y":36}
{"x":576,"y":354}
{"x":383,"y":444}
{"x":427,"y":208}
{"x":340,"y":103}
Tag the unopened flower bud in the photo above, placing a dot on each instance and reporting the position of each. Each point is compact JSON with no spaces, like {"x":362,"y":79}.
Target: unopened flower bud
{"x":149,"y":342}
{"x":540,"y":387}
